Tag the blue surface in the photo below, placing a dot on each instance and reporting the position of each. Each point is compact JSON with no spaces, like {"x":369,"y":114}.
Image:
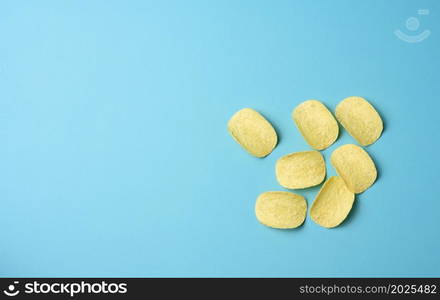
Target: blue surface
{"x":115,"y":159}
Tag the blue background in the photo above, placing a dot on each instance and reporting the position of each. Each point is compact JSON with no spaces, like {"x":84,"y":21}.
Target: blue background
{"x":114,"y":154}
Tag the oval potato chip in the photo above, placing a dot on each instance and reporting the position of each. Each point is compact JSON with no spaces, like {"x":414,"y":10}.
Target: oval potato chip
{"x":332,"y":204}
{"x":253,"y":132}
{"x":360,"y":119}
{"x":281,"y":210}
{"x":355,"y":166}
{"x":300,"y":169}
{"x":316,"y":124}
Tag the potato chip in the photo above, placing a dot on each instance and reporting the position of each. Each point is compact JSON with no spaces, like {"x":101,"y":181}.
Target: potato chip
{"x":360,"y":119}
{"x":300,"y":169}
{"x":281,"y":210}
{"x":355,"y":167}
{"x":332,"y":204}
{"x":316,"y":124}
{"x":253,"y":132}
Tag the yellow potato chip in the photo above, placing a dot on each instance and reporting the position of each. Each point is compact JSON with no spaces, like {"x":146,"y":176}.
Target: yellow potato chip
{"x":355,"y":166}
{"x":316,"y":124}
{"x":332,"y":204}
{"x":300,"y":169}
{"x":360,"y":119}
{"x":281,"y":210}
{"x":253,"y":132}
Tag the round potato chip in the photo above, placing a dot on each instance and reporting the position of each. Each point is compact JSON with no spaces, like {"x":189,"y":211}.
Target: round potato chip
{"x":355,"y":167}
{"x":281,"y":210}
{"x":316,"y":124}
{"x":253,"y":132}
{"x":360,"y":119}
{"x":300,"y":170}
{"x":332,"y":204}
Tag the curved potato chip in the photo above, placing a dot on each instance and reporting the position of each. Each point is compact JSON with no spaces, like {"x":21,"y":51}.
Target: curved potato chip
{"x":332,"y":204}
{"x":355,"y":166}
{"x":253,"y":132}
{"x":300,"y":169}
{"x":281,"y":210}
{"x":360,"y":119}
{"x":316,"y":124}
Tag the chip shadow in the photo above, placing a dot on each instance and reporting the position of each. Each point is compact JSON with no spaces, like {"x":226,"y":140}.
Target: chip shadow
{"x":378,"y":167}
{"x":277,"y":130}
{"x":353,"y":212}
{"x":382,"y":116}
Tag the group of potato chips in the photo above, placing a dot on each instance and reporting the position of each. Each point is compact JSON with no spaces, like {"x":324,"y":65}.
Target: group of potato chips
{"x":356,"y":170}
